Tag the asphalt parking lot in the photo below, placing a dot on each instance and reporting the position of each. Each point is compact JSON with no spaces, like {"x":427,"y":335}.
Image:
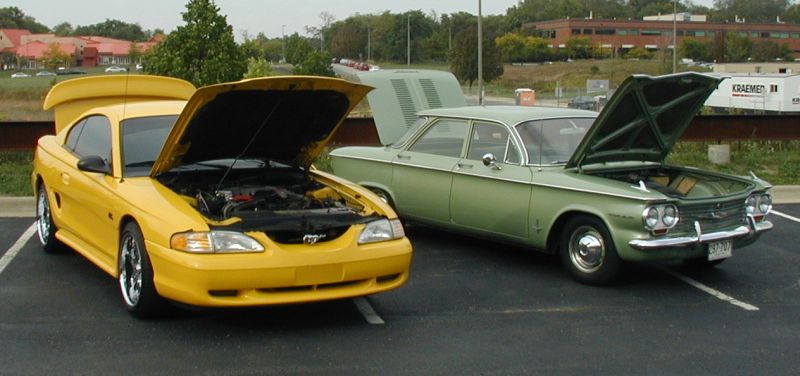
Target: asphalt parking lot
{"x":470,"y":307}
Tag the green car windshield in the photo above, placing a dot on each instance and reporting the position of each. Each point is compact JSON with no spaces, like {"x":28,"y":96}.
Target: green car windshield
{"x":552,"y":141}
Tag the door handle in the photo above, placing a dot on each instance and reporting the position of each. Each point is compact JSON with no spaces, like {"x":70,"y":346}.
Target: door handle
{"x":465,"y":165}
{"x":401,"y":156}
{"x":65,"y":178}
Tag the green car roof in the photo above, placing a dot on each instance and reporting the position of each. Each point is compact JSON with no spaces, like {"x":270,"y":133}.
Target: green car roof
{"x":510,"y":115}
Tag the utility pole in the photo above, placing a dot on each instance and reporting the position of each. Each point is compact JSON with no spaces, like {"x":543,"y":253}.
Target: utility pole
{"x":369,"y":39}
{"x":408,"y":38}
{"x":674,"y":36}
{"x":480,"y":55}
{"x":283,"y":43}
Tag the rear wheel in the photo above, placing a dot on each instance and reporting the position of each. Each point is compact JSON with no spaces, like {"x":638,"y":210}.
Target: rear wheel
{"x":136,"y":275}
{"x":45,"y":227}
{"x":587,"y":251}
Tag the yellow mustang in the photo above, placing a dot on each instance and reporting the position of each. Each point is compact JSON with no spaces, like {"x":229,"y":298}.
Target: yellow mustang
{"x":207,"y":197}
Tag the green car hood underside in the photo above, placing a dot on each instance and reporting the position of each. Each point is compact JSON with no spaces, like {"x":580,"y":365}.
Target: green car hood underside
{"x":644,"y":119}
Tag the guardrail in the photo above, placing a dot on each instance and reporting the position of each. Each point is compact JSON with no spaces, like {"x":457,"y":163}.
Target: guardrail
{"x":22,"y":135}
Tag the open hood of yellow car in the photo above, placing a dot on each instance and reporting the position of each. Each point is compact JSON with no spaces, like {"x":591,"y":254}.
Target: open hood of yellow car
{"x":284,"y":119}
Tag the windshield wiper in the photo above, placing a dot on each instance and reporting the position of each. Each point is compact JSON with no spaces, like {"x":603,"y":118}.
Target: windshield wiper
{"x":140,"y":164}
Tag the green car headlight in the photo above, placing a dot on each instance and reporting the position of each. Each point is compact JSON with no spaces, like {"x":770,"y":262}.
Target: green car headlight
{"x":651,"y":218}
{"x":764,"y":204}
{"x":214,"y":242}
{"x":381,"y":230}
{"x":751,"y":204}
{"x":669,"y":216}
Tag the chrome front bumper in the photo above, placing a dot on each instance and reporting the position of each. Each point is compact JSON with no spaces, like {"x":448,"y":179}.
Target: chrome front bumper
{"x":699,"y":237}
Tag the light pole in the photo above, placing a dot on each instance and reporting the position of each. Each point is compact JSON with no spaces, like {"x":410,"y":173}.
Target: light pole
{"x":408,"y":38}
{"x":674,"y":36}
{"x":480,"y":55}
{"x":369,"y":40}
{"x":283,"y":43}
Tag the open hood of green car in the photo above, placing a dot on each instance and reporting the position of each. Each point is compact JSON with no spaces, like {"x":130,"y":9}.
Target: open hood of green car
{"x":644,"y":119}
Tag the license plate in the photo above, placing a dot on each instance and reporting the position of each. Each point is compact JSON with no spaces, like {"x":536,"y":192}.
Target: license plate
{"x":720,"y":250}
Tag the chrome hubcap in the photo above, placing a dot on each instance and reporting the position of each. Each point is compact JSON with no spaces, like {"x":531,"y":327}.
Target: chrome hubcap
{"x":130,"y":270}
{"x":586,"y":249}
{"x":43,"y":217}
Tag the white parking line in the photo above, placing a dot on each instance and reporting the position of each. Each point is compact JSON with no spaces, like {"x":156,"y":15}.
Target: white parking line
{"x":12,"y":252}
{"x":717,"y":294}
{"x":366,"y":310}
{"x":787,"y":216}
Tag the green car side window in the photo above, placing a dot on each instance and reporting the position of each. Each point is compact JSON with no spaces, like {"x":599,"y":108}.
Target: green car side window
{"x":445,"y":137}
{"x":489,"y":138}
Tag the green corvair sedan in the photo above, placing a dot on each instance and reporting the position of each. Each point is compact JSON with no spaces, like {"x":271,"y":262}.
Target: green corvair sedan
{"x":592,"y":188}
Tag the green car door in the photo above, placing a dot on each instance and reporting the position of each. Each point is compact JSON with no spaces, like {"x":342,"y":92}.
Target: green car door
{"x":491,"y":197}
{"x":422,"y":173}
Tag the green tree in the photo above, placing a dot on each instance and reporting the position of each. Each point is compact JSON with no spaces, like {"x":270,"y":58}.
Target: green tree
{"x":135,"y":53}
{"x":579,"y":48}
{"x":792,"y":14}
{"x":639,"y":53}
{"x":512,"y":48}
{"x":536,"y":49}
{"x":749,"y":10}
{"x":315,"y":64}
{"x":769,"y":50}
{"x":258,"y":67}
{"x":297,"y":48}
{"x":113,"y":29}
{"x":737,"y":47}
{"x":53,"y":57}
{"x":14,"y":18}
{"x":202,"y":51}
{"x":464,"y":57}
{"x":63,"y":29}
{"x":695,"y":49}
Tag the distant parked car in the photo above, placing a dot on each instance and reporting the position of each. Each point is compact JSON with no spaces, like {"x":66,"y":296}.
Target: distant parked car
{"x":139,"y":67}
{"x":70,"y":71}
{"x":44,"y":74}
{"x":20,"y":75}
{"x":115,"y":69}
{"x":583,"y":102}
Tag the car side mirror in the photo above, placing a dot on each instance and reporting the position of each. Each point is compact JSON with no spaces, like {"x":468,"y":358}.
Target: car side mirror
{"x":489,"y":160}
{"x":94,"y":163}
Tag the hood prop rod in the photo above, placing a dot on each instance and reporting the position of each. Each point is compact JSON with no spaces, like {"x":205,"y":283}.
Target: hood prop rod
{"x":247,"y":147}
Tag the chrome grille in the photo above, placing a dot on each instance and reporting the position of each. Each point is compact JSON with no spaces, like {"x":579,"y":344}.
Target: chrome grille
{"x":712,"y":217}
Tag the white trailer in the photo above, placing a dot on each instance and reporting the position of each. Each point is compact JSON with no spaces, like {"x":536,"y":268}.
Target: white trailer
{"x":775,"y":92}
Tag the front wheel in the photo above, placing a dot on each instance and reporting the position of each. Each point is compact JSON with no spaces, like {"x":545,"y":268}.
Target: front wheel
{"x":588,"y":253}
{"x":136,"y":275}
{"x":45,"y":227}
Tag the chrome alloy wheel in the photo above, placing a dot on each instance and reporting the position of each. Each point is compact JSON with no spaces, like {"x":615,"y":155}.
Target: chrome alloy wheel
{"x":130,"y":269}
{"x":43,"y":220}
{"x":586,"y":249}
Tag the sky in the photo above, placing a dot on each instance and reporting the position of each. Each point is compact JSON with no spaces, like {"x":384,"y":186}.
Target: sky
{"x":250,"y":16}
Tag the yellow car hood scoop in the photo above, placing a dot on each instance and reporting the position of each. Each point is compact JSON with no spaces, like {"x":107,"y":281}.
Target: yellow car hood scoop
{"x":284,"y":119}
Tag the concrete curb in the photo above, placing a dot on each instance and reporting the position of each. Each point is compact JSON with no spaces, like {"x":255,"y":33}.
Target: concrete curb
{"x":13,"y":207}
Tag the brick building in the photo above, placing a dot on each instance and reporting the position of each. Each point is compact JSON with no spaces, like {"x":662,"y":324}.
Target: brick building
{"x":619,"y":36}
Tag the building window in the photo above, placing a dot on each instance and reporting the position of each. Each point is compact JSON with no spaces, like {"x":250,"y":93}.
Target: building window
{"x":742,"y":34}
{"x":711,"y":34}
{"x":576,"y":31}
{"x":764,"y":35}
{"x":651,"y":32}
{"x":588,"y":31}
{"x":679,"y":33}
{"x":605,"y":31}
{"x":622,"y":32}
{"x":634,"y":32}
{"x":796,"y":35}
{"x":753,"y":34}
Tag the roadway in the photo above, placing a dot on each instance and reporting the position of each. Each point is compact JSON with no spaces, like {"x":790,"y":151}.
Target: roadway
{"x":470,"y":307}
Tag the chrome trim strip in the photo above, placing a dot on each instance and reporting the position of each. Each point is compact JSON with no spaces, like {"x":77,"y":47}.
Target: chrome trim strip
{"x":362,"y":158}
{"x":700,"y":238}
{"x":417,"y":166}
{"x":460,"y":172}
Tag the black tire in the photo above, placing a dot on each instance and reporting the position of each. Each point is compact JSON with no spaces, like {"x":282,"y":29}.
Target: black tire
{"x":588,"y":252}
{"x":45,"y":227}
{"x":383,"y":196}
{"x":136,"y":275}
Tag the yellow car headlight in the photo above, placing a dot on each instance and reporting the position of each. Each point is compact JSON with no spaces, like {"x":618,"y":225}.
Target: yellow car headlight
{"x":214,"y":242}
{"x":381,"y":230}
